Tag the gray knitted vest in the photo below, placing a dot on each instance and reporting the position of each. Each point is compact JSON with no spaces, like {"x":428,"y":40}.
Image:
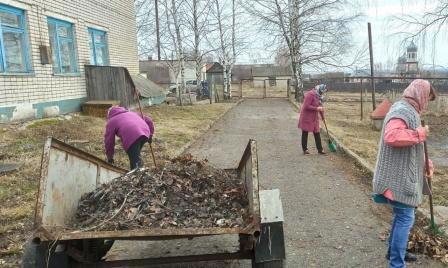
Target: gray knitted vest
{"x":400,"y":169}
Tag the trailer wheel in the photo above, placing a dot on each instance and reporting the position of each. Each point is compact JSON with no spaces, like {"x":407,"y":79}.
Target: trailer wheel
{"x":37,"y":254}
{"x":271,"y":264}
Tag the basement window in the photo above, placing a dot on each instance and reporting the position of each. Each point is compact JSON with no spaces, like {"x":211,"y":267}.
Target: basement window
{"x":99,"y":54}
{"x":14,"y":56}
{"x":62,"y":43}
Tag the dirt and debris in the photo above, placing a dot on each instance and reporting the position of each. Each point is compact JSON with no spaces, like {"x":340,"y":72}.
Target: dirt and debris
{"x":186,"y":193}
{"x":422,"y":240}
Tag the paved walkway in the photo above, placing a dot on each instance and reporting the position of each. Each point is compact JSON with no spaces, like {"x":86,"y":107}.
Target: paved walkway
{"x":329,"y":220}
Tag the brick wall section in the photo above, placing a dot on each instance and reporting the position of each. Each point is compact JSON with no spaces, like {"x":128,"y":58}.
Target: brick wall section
{"x":116,"y":17}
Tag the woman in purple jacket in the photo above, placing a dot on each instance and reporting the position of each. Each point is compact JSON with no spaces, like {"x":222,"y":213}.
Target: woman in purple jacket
{"x":133,"y":130}
{"x":309,"y":117}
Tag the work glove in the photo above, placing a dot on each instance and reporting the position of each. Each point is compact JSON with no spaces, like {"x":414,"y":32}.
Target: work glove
{"x":150,"y":139}
{"x":110,"y":161}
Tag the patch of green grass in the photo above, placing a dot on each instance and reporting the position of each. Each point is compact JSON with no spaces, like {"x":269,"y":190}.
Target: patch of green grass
{"x":43,"y":123}
{"x":16,"y":213}
{"x":11,"y":187}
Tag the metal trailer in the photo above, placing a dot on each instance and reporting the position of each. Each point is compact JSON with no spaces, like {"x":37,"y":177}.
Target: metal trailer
{"x":67,"y":173}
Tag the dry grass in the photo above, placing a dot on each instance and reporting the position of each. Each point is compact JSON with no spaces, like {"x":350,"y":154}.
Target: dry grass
{"x":175,"y":128}
{"x":343,"y":116}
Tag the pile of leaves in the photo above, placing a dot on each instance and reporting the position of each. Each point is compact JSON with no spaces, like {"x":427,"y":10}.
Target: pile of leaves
{"x":185,"y":193}
{"x":423,"y":240}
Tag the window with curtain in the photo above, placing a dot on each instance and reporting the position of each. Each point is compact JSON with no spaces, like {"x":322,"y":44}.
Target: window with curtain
{"x":13,"y":41}
{"x":99,"y":54}
{"x":62,"y":43}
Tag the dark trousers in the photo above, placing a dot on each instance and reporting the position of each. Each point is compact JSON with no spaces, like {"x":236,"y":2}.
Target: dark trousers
{"x":316,"y":139}
{"x":135,"y":159}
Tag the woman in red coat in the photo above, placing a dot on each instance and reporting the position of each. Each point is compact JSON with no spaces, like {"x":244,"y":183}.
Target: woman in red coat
{"x":309,"y":117}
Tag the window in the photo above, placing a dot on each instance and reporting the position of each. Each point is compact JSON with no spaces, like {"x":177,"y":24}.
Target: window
{"x":13,"y":41}
{"x":98,"y":47}
{"x":62,"y":43}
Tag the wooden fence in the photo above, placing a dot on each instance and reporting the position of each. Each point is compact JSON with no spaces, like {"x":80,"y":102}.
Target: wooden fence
{"x":110,"y":83}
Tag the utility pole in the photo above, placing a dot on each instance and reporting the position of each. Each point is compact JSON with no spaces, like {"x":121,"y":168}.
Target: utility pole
{"x":157,"y":28}
{"x":372,"y":75}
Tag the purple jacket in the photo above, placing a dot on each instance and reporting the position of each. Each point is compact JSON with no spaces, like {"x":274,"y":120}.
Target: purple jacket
{"x":309,"y":116}
{"x":129,"y":126}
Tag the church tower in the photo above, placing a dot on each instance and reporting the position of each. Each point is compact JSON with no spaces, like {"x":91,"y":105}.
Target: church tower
{"x":411,"y":59}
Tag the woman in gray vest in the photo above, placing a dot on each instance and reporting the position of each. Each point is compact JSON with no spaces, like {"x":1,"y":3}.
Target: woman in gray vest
{"x":400,"y":178}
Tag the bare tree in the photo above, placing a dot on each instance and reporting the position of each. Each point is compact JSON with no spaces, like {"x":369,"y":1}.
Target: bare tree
{"x":197,"y":18}
{"x":146,"y":30}
{"x":434,"y":19}
{"x":422,"y":26}
{"x":316,"y":32}
{"x":229,"y":47}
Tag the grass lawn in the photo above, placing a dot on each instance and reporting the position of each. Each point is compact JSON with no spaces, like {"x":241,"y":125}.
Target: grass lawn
{"x":175,"y":128}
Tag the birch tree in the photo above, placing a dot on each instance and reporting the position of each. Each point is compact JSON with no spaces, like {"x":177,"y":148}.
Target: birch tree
{"x":315,"y":32}
{"x":228,"y":45}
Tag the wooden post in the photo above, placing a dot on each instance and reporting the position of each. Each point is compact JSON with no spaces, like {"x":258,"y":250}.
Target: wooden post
{"x":372,"y":81}
{"x":264,"y":88}
{"x":362,"y":102}
{"x":241,"y":89}
{"x":287,"y":88}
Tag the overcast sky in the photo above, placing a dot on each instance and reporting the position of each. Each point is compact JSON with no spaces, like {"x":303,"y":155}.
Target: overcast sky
{"x":388,"y":46}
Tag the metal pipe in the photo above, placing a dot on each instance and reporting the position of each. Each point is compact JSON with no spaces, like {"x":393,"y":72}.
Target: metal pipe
{"x":157,"y":28}
{"x":362,"y":102}
{"x":372,"y":81}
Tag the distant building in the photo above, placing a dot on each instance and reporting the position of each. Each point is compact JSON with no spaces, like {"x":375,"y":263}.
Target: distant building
{"x":272,"y":75}
{"x":407,"y":64}
{"x":163,"y":72}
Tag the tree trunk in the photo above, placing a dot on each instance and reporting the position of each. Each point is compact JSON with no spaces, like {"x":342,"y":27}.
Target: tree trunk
{"x":180,"y":54}
{"x":197,"y":56}
{"x":224,"y":78}
{"x":223,"y":47}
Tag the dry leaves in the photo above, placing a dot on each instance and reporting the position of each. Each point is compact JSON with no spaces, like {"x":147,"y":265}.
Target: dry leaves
{"x":185,"y":193}
{"x":423,"y":241}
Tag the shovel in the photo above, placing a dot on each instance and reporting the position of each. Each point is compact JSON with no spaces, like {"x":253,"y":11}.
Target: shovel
{"x":331,"y":144}
{"x":432,"y":224}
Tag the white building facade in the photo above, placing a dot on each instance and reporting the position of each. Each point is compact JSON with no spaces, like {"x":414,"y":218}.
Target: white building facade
{"x":44,"y":46}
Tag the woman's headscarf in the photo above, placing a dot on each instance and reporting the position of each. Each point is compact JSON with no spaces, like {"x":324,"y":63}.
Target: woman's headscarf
{"x":320,"y":90}
{"x":418,"y":94}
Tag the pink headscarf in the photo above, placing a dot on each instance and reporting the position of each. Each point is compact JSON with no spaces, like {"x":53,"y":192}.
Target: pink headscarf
{"x":417,"y":94}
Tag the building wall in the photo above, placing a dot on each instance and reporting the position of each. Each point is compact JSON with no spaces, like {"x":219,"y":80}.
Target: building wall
{"x":26,"y":95}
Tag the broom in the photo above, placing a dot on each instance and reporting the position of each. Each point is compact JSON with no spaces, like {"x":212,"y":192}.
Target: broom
{"x":331,"y":144}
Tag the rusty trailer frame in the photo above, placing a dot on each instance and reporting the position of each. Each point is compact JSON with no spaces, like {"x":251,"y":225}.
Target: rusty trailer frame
{"x":67,"y":173}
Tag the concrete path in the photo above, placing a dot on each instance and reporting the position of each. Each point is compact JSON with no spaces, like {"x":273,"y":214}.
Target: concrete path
{"x":328,"y":214}
{"x":329,"y":219}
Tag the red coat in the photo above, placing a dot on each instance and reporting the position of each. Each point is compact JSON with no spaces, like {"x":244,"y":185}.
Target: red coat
{"x":309,"y":116}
